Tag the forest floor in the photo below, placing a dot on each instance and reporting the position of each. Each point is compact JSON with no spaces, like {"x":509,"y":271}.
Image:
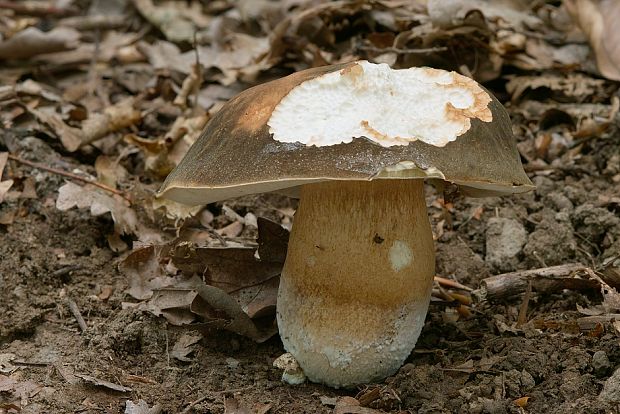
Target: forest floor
{"x":68,"y":248}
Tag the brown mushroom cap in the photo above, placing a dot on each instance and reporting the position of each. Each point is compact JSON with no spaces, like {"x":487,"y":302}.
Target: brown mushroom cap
{"x":238,"y":155}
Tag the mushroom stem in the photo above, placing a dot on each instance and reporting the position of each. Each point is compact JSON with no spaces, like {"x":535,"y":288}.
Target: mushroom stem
{"x":357,"y":281}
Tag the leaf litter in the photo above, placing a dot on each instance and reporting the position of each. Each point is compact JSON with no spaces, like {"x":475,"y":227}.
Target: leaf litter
{"x":122,"y":89}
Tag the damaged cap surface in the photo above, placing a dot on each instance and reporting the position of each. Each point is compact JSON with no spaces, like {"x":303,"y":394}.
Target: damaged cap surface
{"x":259,"y":141}
{"x":388,"y":107}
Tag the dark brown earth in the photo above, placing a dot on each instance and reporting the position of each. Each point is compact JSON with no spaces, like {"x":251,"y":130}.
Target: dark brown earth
{"x":467,"y":366}
{"x":534,"y":58}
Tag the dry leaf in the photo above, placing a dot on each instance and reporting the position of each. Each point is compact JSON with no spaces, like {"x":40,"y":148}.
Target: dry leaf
{"x":144,"y":273}
{"x":6,"y":367}
{"x":70,"y":137}
{"x":510,"y":13}
{"x":174,"y":304}
{"x":125,"y":219}
{"x":599,"y":21}
{"x":165,"y":55}
{"x":521,"y":402}
{"x":163,"y":154}
{"x":103,"y":383}
{"x":97,"y":125}
{"x":109,"y":172}
{"x":228,"y":268}
{"x":349,"y":405}
{"x":239,"y":287}
{"x":4,"y":185}
{"x":183,"y":346}
{"x":178,"y":21}
{"x":18,"y":391}
{"x":173,"y":210}
{"x":573,"y":85}
{"x":31,"y":41}
{"x":223,"y":311}
{"x":72,"y":195}
{"x":141,"y":407}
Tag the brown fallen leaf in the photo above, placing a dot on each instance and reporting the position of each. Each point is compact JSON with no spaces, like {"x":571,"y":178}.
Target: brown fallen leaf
{"x":141,"y":407}
{"x":69,"y":137}
{"x":164,"y":153}
{"x":349,"y":405}
{"x":103,"y":383}
{"x":94,"y":21}
{"x":178,"y":21}
{"x":190,"y":86}
{"x":272,"y":241}
{"x":125,"y":219}
{"x":511,"y":13}
{"x":18,"y":391}
{"x":611,"y":297}
{"x":222,"y":311}
{"x":72,"y":195}
{"x":599,"y":21}
{"x":573,"y":85}
{"x":521,"y":402}
{"x":109,"y":172}
{"x":144,"y":273}
{"x":97,"y":125}
{"x":237,"y":286}
{"x":183,"y":346}
{"x":106,"y":292}
{"x":6,"y":184}
{"x":6,"y":367}
{"x":32,"y":41}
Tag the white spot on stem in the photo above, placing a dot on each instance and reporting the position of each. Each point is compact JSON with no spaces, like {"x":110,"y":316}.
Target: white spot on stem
{"x":401,"y":255}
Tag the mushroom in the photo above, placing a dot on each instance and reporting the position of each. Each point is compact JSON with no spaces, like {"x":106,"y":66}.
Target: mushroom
{"x":355,"y":142}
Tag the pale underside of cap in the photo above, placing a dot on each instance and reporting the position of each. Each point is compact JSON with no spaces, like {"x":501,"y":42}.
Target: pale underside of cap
{"x":355,"y":121}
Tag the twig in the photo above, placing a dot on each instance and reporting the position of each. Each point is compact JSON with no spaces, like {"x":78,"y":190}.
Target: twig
{"x":452,"y":283}
{"x":522,"y":318}
{"x":73,"y":307}
{"x":94,"y":22}
{"x":547,"y":279}
{"x":68,"y":175}
{"x":403,"y":51}
{"x":587,"y":323}
{"x":63,"y":271}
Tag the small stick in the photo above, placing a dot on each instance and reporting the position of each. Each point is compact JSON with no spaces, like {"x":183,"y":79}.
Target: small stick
{"x":524,"y":305}
{"x":588,"y":323}
{"x":73,"y":307}
{"x":452,"y":283}
{"x":94,"y":22}
{"x":547,"y":279}
{"x":63,"y":271}
{"x":204,"y":397}
{"x":68,"y":175}
{"x":404,"y":51}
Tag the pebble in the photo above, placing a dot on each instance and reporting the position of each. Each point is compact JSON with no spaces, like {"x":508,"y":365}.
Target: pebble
{"x":505,"y":239}
{"x":611,"y":389}
{"x":600,"y":363}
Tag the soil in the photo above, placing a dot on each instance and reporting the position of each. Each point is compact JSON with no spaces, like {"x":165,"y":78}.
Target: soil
{"x":485,"y":359}
{"x":469,"y":366}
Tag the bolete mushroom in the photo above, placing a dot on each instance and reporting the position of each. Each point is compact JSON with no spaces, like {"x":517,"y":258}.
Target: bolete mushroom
{"x":355,"y":141}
